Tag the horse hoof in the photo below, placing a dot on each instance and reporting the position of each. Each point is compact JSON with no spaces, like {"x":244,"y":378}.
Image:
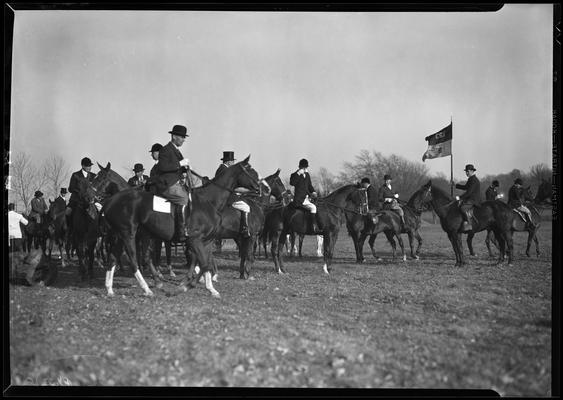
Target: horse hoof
{"x":216,"y":295}
{"x":111,"y":294}
{"x":149,"y":294}
{"x":214,"y":279}
{"x":416,"y":257}
{"x":252,"y":278}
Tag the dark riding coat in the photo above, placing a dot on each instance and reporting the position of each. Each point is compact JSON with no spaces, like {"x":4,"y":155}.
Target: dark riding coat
{"x":491,"y":193}
{"x":168,"y":167}
{"x":38,"y":207}
{"x":221,"y":168}
{"x":74,"y":185}
{"x":60,"y":203}
{"x":515,"y":196}
{"x":472,"y":189}
{"x":303,"y":187}
{"x":373,"y":198}
{"x":135,"y":181}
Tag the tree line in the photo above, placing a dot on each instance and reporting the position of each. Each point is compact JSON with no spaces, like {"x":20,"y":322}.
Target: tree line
{"x":27,"y":176}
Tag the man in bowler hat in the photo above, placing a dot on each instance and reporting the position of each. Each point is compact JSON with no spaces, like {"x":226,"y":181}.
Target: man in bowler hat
{"x":168,"y":168}
{"x":38,"y":207}
{"x":139,"y":179}
{"x":516,"y":201}
{"x":470,"y":198}
{"x":228,"y":160}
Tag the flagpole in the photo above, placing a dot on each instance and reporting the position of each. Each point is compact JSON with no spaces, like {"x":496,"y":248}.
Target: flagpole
{"x":452,"y":160}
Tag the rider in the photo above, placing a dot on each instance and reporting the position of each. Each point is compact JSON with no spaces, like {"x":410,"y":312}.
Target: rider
{"x":38,"y":207}
{"x":389,"y":198}
{"x":170,"y":160}
{"x":492,"y":192}
{"x":372,"y":195}
{"x":471,"y":197}
{"x":139,"y":179}
{"x":516,"y":201}
{"x":303,"y":189}
{"x":228,"y":160}
{"x":60,"y":201}
{"x":75,"y":178}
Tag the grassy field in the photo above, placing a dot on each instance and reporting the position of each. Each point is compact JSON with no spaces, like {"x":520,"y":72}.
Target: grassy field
{"x":418,"y":324}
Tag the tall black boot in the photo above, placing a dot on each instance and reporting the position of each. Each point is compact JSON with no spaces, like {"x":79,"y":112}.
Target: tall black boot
{"x":180,"y":231}
{"x":244,"y":225}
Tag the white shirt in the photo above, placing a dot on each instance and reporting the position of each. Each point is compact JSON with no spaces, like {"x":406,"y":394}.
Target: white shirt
{"x":14,"y":231}
{"x":85,"y":174}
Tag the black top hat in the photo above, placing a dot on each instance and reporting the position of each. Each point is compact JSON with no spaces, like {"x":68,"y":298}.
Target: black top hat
{"x":386,"y":177}
{"x":228,"y":156}
{"x":518,"y":181}
{"x":63,"y":191}
{"x":155,"y":147}
{"x":469,"y":167}
{"x":179,"y":130}
{"x":303,"y":163}
{"x":38,"y":193}
{"x":138,"y":168}
{"x":86,"y":162}
{"x":365,"y":180}
{"x":495,"y":183}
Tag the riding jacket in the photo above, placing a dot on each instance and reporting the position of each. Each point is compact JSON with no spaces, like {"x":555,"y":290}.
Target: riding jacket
{"x":472,"y":189}
{"x":515,"y":196}
{"x":168,"y":167}
{"x":74,"y":185}
{"x":373,"y":198}
{"x":491,"y":193}
{"x":60,"y":203}
{"x":303,"y":186}
{"x":38,"y":206}
{"x":135,"y":181}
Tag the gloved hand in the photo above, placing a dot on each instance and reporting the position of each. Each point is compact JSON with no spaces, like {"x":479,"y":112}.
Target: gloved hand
{"x":457,"y":198}
{"x":396,"y":195}
{"x":98,"y":206}
{"x":314,"y":195}
{"x":184,"y":162}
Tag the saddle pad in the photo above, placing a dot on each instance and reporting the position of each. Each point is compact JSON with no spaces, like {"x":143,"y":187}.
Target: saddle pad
{"x":160,"y":204}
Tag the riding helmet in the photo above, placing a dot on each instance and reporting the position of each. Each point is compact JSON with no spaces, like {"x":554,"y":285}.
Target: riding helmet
{"x":303,"y":163}
{"x":518,"y":181}
{"x":155,"y":147}
{"x":469,"y":167}
{"x":387,"y":177}
{"x":86,"y":162}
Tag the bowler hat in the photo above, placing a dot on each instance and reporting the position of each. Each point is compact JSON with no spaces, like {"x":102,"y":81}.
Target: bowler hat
{"x":38,"y":193}
{"x":518,"y":181}
{"x":495,"y":183}
{"x":138,"y":168}
{"x":179,"y":130}
{"x":387,"y":177}
{"x":303,"y":163}
{"x":469,"y":167}
{"x":63,"y":191}
{"x":365,"y":180}
{"x":86,"y":162}
{"x":228,"y":156}
{"x":155,"y":147}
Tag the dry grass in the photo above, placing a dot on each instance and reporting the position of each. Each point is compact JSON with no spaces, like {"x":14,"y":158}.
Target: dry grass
{"x":419,"y":324}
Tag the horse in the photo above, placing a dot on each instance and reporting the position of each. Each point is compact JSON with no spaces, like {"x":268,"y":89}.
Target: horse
{"x":361,"y":224}
{"x":295,"y":219}
{"x":84,"y":230}
{"x":494,"y":215}
{"x":58,"y":229}
{"x":34,"y":234}
{"x":519,"y":224}
{"x":231,"y":218}
{"x":130,"y":212}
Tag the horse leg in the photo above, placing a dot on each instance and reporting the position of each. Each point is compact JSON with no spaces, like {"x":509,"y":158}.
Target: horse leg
{"x":203,"y":255}
{"x":244,"y":243}
{"x":502,"y":246}
{"x":147,"y":252}
{"x":246,"y":266}
{"x":301,"y":237}
{"x":459,"y":243}
{"x":470,"y":243}
{"x":451,"y":237}
{"x":419,"y":240}
{"x":510,"y":245}
{"x":488,"y":242}
{"x":360,"y":250}
{"x":537,"y":242}
{"x":168,"y":250}
{"x":278,"y":255}
{"x":410,"y":235}
{"x":355,"y":240}
{"x":400,"y":240}
{"x":114,"y":254}
{"x":391,"y":240}
{"x":371,"y":243}
{"x":130,"y":250}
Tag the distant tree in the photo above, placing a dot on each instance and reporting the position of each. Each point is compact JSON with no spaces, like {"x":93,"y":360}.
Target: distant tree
{"x":325,"y":182}
{"x":57,"y":174}
{"x":26,"y":178}
{"x":539,"y":173}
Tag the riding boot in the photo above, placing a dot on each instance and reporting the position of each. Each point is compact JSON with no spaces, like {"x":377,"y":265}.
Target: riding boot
{"x":244,"y":225}
{"x":403,"y":222}
{"x":467,"y":222}
{"x":180,"y":231}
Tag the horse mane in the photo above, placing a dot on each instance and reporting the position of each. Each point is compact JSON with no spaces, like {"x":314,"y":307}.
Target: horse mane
{"x":441,"y":193}
{"x":115,"y":177}
{"x":338,"y":191}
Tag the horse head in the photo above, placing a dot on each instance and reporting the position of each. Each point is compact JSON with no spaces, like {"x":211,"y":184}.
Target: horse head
{"x":107,"y":182}
{"x":247,"y":176}
{"x":277,"y":188}
{"x":421,"y":198}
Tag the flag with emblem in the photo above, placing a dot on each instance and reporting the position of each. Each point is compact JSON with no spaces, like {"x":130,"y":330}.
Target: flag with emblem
{"x":439,"y":144}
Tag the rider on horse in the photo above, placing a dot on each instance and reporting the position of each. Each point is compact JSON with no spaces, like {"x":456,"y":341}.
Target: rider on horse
{"x":303,"y":189}
{"x":76,"y":178}
{"x":516,"y":201}
{"x":170,"y":161}
{"x":471,"y":197}
{"x":140,"y":179}
{"x":60,"y":201}
{"x":38,"y":207}
{"x":492,"y":192}
{"x":228,"y":160}
{"x":372,"y":195}
{"x":389,"y":198}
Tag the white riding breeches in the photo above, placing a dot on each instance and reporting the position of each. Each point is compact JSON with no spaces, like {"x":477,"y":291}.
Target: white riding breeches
{"x":241,"y":206}
{"x":309,"y":206}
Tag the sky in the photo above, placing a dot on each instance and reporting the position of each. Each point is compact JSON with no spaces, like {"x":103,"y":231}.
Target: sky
{"x":284,"y":86}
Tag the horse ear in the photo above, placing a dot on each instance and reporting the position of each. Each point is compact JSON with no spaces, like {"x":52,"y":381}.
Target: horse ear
{"x":429,"y":183}
{"x":277,"y":172}
{"x":50,"y":201}
{"x":108,"y":166}
{"x":246,"y":159}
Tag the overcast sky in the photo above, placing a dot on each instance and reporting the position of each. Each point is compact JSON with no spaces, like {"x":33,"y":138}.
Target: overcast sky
{"x":283,"y":86}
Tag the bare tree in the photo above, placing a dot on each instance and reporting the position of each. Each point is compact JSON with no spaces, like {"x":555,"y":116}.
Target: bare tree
{"x":540,"y":172}
{"x":26,"y":178}
{"x":325,"y":182}
{"x":57,"y":173}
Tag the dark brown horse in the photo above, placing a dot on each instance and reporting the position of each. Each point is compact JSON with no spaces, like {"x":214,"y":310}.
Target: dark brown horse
{"x":494,"y":215}
{"x":231,"y":218}
{"x":58,"y":230}
{"x":519,"y":224}
{"x":34,"y":234}
{"x":297,"y":220}
{"x":130,"y":212}
{"x":361,"y":225}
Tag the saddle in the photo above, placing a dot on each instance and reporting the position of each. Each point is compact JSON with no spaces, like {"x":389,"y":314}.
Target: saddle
{"x":520,"y":214}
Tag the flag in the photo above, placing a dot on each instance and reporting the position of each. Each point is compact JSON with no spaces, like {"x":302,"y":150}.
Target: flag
{"x":439,"y":144}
